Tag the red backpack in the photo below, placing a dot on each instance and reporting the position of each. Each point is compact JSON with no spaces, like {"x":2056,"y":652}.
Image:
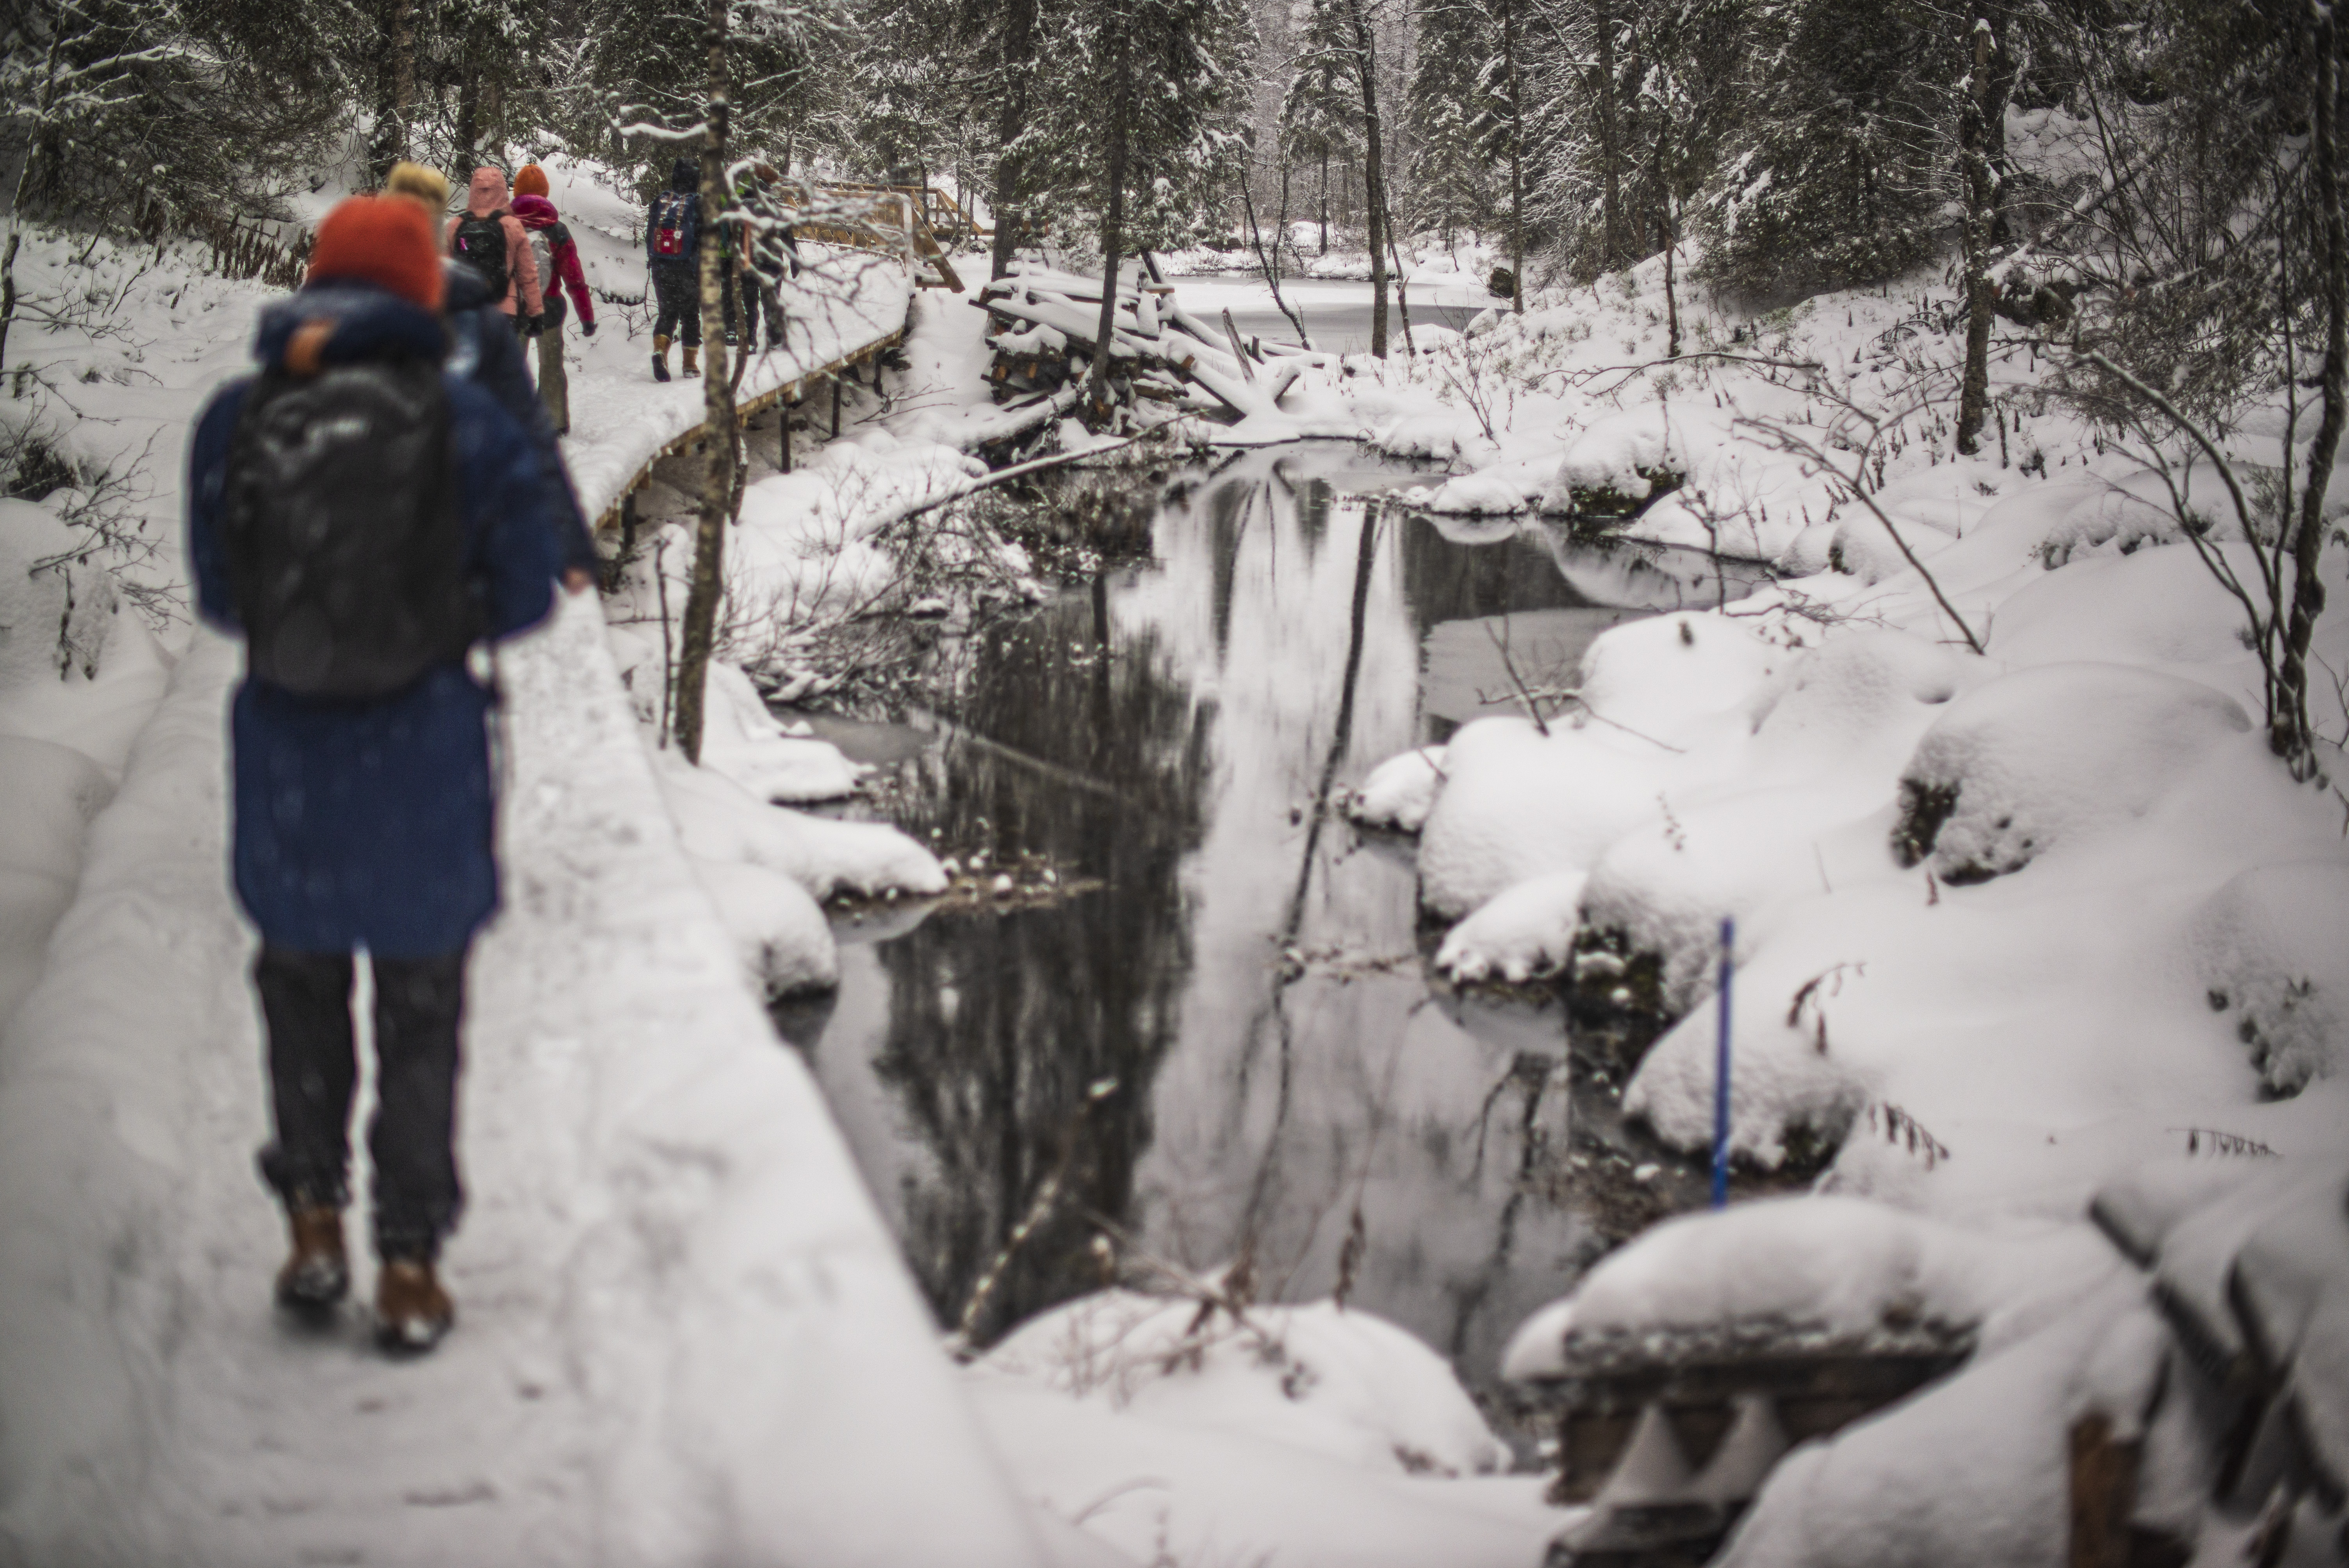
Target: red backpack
{"x":669,"y":220}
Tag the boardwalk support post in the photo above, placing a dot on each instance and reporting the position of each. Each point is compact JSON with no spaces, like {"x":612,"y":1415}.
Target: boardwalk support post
{"x":1721,"y":1074}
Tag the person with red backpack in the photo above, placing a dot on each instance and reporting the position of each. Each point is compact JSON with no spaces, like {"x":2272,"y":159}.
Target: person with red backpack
{"x":557,"y":258}
{"x":363,"y":517}
{"x":673,"y":253}
{"x":487,"y":237}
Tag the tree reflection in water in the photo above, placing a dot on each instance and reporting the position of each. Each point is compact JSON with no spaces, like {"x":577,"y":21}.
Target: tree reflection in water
{"x":999,"y":1027}
{"x":1250,"y":975}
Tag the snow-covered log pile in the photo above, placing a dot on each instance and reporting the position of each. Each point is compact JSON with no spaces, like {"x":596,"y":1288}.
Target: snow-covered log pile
{"x":1044,"y":325}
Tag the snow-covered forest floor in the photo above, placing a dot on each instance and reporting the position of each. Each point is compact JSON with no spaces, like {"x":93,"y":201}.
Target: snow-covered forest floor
{"x":2119,"y":943}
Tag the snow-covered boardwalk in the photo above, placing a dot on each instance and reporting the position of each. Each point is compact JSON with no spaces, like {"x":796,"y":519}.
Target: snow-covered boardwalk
{"x":685,"y":1335}
{"x":844,"y":307}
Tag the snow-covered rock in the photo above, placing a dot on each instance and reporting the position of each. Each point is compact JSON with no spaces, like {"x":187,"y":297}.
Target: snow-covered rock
{"x":1523,"y":932}
{"x":1311,"y":1435}
{"x":2272,"y":950}
{"x":1400,"y":791}
{"x":2051,"y":754}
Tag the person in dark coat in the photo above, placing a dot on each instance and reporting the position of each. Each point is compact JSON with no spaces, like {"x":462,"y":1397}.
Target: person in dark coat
{"x":366,"y":824}
{"x":673,"y":256}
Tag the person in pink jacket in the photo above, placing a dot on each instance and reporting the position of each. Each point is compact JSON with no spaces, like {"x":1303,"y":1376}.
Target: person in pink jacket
{"x":557,"y":258}
{"x":472,"y":238}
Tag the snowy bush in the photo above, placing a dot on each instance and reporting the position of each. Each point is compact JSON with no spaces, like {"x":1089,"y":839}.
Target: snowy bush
{"x":2048,"y":755}
{"x":1618,"y":465}
{"x":1837,"y":1270}
{"x":1400,"y":791}
{"x":2271,"y":947}
{"x":1526,"y":932}
{"x":1332,"y":1380}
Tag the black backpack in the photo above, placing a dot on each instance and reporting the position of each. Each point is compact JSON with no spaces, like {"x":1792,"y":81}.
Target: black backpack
{"x":480,"y":245}
{"x":345,"y":535}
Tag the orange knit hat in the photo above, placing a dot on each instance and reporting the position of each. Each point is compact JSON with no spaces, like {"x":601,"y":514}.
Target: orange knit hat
{"x":530,"y":180}
{"x":380,"y":239}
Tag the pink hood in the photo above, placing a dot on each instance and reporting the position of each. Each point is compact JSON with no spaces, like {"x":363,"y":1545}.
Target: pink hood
{"x":535,"y":212}
{"x":487,"y":191}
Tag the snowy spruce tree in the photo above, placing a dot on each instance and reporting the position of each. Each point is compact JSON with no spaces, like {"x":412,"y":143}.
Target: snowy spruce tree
{"x":1135,"y":127}
{"x":1451,"y":180}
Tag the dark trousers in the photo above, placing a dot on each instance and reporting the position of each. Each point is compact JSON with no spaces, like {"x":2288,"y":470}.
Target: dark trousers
{"x":676,"y":297}
{"x":305,"y":1001}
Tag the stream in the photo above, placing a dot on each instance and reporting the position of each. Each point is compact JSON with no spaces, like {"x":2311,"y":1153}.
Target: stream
{"x":1232,"y":1045}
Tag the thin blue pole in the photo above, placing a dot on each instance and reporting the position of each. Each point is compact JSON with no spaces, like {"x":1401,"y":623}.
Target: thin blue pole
{"x":1721,"y":1076}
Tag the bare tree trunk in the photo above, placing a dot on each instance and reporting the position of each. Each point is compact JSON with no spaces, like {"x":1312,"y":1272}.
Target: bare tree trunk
{"x":2291,"y":736}
{"x":1374,"y":184}
{"x":1018,"y":58}
{"x":1984,"y":105}
{"x":1113,"y":220}
{"x":1672,"y":295}
{"x":719,"y":490}
{"x":1611,"y":186}
{"x":1517,"y":158}
{"x":1325,"y":198}
{"x":395,"y":87}
{"x":469,"y":116}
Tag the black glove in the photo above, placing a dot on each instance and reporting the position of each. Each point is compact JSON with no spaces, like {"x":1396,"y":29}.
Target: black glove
{"x":534,"y":326}
{"x":586,"y":329}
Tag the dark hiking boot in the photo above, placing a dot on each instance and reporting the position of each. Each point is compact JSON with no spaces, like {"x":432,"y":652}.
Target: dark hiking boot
{"x":317,"y":1275}
{"x":660,"y":358}
{"x":411,"y":1311}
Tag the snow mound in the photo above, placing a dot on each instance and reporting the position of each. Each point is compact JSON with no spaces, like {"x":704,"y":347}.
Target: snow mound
{"x":780,"y":932}
{"x":1328,"y":1379}
{"x":2271,"y":947}
{"x":2049,"y":755}
{"x":1481,"y":495}
{"x":1400,"y":791}
{"x":1617,"y":463}
{"x":1666,"y":673}
{"x":720,"y":820}
{"x":1827,"y":1269}
{"x":742,"y":740}
{"x":1525,"y":932}
{"x":1663,"y":887}
{"x":1517,"y":804}
{"x":1853,"y":688}
{"x":765,"y":867}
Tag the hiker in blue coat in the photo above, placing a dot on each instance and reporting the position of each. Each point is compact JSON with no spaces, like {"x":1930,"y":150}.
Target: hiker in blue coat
{"x":362,"y":790}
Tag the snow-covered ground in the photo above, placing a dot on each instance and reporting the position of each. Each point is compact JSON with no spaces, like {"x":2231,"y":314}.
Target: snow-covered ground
{"x":684,"y":1332}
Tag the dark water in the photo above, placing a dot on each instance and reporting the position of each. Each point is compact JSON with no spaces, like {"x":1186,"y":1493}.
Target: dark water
{"x":1235,"y":1044}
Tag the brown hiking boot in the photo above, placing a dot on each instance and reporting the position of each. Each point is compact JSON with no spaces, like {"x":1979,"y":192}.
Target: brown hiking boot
{"x":411,"y":1311}
{"x":318,"y":1273}
{"x":692,"y":360}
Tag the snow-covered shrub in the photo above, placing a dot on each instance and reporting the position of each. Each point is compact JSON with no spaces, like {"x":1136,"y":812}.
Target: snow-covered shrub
{"x":1525,"y":932}
{"x":1400,"y":791}
{"x":1618,"y":465}
{"x":1661,"y":710}
{"x":1332,"y":1380}
{"x":2271,"y":947}
{"x":1827,"y":1270}
{"x":2047,"y":754}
